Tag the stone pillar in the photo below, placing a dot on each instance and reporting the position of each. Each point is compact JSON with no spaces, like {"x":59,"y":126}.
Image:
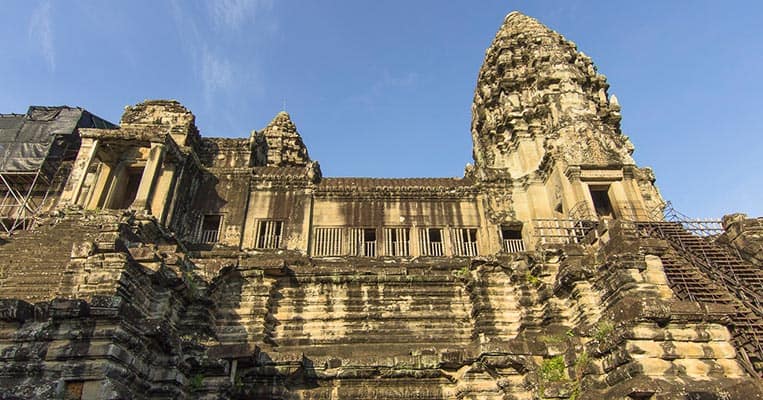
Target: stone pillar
{"x":150,"y":172}
{"x":85,"y":157}
{"x":488,"y":239}
{"x":635,"y":198}
{"x":162,"y":190}
{"x":99,"y":188}
{"x":414,"y":245}
{"x":621,"y":202}
{"x":579,"y":190}
{"x":117,"y":177}
{"x":307,"y":224}
{"x":170,"y":209}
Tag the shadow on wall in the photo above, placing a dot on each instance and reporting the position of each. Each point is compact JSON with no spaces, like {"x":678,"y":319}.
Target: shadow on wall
{"x":207,"y":202}
{"x":248,"y":326}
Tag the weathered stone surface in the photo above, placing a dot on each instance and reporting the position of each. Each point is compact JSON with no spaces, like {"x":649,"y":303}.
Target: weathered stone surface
{"x":176,"y":266}
{"x":744,"y":235}
{"x":279,"y":144}
{"x":535,"y":84}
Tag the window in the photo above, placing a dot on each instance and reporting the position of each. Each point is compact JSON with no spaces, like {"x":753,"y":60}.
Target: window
{"x":601,"y":202}
{"x":396,"y":241}
{"x":465,"y":241}
{"x":431,"y":242}
{"x":328,"y":242}
{"x":268,"y":234}
{"x":369,"y":242}
{"x":210,"y":228}
{"x":363,"y":242}
{"x":511,"y":239}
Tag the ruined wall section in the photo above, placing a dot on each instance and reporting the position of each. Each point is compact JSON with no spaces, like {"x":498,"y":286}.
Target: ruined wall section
{"x":745,"y":236}
{"x":116,"y":328}
{"x":632,"y":335}
{"x":183,"y":220}
{"x":280,"y":143}
{"x":167,"y":115}
{"x":282,"y":194}
{"x":224,"y":186}
{"x":357,"y":328}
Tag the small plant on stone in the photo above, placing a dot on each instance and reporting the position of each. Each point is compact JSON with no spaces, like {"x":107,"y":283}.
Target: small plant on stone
{"x":581,"y":364}
{"x":462,"y":273}
{"x":531,"y":279}
{"x":552,"y":369}
{"x":603,"y":330}
{"x":552,"y":339}
{"x":193,"y":285}
{"x":196,"y":382}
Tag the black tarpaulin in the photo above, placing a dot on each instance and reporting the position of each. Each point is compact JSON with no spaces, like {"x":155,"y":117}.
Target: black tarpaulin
{"x":26,"y":140}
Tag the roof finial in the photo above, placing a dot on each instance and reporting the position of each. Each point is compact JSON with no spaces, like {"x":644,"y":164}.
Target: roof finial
{"x":284,"y":104}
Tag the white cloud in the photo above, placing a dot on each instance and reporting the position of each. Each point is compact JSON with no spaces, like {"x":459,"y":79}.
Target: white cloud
{"x":231,"y":14}
{"x":220,"y":73}
{"x":41,"y":32}
{"x":216,"y":73}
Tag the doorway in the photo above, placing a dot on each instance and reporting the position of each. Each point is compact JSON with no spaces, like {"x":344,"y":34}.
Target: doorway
{"x":601,"y":201}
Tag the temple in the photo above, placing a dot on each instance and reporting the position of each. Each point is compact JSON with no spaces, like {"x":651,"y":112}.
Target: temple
{"x":146,"y":261}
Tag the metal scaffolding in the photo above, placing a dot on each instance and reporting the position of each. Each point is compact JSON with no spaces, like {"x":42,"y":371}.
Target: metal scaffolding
{"x":24,"y":195}
{"x":37,"y":150}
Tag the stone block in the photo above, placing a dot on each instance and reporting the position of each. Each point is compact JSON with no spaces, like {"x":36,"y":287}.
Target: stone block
{"x":652,"y":366}
{"x":68,"y":309}
{"x":15,"y":310}
{"x":82,"y":249}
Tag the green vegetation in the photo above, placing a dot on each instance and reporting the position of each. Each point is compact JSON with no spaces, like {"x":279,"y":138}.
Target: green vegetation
{"x":462,"y":273}
{"x":581,"y":364}
{"x":552,"y":339}
{"x":603,"y":330}
{"x":531,"y":279}
{"x":552,"y":369}
{"x":190,"y":281}
{"x":196,"y":382}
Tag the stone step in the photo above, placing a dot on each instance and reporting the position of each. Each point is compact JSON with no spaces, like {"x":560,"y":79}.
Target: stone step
{"x":409,"y":340}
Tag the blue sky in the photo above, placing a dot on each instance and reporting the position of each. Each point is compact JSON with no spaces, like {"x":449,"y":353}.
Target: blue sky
{"x":384,"y":88}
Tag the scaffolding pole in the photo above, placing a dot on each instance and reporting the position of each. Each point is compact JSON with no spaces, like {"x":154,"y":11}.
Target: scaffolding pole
{"x":19,"y":208}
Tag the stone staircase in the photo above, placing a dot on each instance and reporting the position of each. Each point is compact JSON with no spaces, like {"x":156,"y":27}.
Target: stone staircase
{"x":691,"y":284}
{"x":242,"y":307}
{"x":733,"y":269}
{"x":701,"y":271}
{"x":394,"y":312}
{"x":33,"y":262}
{"x":497,"y":312}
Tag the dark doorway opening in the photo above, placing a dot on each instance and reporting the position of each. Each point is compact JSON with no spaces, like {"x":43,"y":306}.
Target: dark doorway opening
{"x":435,"y":235}
{"x":601,"y":201}
{"x":124,"y":197}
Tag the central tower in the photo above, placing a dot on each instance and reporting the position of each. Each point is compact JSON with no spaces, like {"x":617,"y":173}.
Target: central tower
{"x":542,"y":119}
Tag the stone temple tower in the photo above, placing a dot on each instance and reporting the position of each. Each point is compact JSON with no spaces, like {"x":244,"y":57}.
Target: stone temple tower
{"x":542,"y":118}
{"x":173,"y":265}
